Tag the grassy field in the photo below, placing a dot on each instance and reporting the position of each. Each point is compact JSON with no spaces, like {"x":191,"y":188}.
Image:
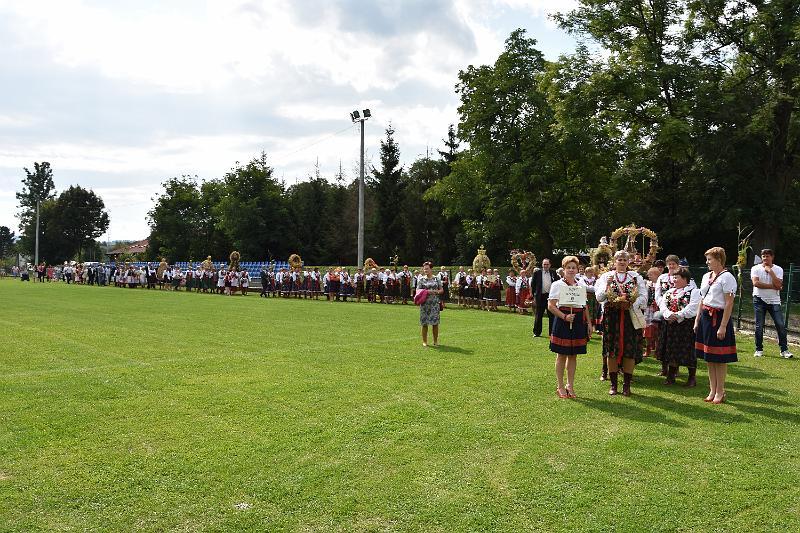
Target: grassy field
{"x":136,"y":410}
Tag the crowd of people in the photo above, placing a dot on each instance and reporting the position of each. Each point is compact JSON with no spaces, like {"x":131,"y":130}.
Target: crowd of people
{"x":662,"y":314}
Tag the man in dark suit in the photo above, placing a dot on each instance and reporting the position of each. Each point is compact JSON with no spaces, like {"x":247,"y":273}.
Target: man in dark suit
{"x":543,"y":278}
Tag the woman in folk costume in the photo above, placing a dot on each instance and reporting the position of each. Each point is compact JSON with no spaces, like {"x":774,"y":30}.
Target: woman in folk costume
{"x":714,"y":338}
{"x":444,"y":278}
{"x":235,"y":281}
{"x":404,"y":277}
{"x":679,"y":306}
{"x":372,"y":281}
{"x":472,"y":289}
{"x":393,"y":286}
{"x":625,"y":295}
{"x":652,"y":316}
{"x":329,"y":284}
{"x":497,"y":289}
{"x":523,"y":292}
{"x":461,"y":283}
{"x":511,"y":290}
{"x":297,"y":282}
{"x":571,"y":330}
{"x":286,"y":283}
{"x":316,"y":285}
{"x":245,"y":282}
{"x":665,"y":282}
{"x":221,"y":281}
{"x":198,"y":279}
{"x":345,"y":284}
{"x":589,"y":279}
{"x":358,"y":283}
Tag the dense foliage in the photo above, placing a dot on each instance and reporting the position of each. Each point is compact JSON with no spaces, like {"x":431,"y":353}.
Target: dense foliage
{"x":679,"y":115}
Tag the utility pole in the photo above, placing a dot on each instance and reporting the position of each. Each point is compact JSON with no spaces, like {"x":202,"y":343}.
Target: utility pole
{"x":355,"y":116}
{"x":36,"y":248}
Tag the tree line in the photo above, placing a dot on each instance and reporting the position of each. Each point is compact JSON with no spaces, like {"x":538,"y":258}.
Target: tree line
{"x":678,"y":115}
{"x":69,"y":222}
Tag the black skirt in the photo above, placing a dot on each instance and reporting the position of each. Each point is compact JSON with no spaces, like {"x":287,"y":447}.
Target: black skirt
{"x":569,"y":341}
{"x":707,"y":345}
{"x":676,"y":343}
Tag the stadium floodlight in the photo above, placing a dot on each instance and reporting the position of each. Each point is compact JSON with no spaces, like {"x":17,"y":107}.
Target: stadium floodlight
{"x":355,"y":116}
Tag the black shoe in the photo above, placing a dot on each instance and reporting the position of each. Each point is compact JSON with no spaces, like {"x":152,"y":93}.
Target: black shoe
{"x":626,"y":384}
{"x":613,"y":390}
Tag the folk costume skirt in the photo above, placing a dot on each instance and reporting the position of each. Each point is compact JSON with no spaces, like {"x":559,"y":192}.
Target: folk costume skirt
{"x":707,"y":345}
{"x":523,"y":296}
{"x":511,"y":297}
{"x":569,"y":341}
{"x":595,"y":312}
{"x":676,"y":345}
{"x":620,"y":338}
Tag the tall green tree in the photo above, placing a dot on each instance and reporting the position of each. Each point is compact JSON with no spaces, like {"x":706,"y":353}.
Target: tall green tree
{"x":81,"y":218}
{"x":661,"y":96}
{"x":421,"y":218}
{"x":757,"y":135}
{"x":212,"y":240}
{"x":253,"y":212}
{"x":516,"y":183}
{"x":310,"y":204}
{"x":386,"y":184}
{"x":36,"y":186}
{"x":6,"y":242}
{"x":174,"y":220}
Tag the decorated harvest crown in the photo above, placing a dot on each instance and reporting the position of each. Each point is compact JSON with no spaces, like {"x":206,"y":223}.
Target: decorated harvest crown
{"x":481,"y":260}
{"x":522,"y":260}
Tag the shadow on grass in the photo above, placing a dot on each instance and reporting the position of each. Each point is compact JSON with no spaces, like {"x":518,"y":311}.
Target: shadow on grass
{"x":625,"y":408}
{"x":760,"y":410}
{"x":747,"y":372}
{"x":452,"y":349}
{"x":700,"y":411}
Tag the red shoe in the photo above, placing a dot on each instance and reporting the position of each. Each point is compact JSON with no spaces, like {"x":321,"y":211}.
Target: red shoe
{"x":562,"y":395}
{"x":721,"y":400}
{"x":571,"y":394}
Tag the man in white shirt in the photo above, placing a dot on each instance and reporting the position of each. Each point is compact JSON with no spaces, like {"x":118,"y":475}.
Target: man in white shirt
{"x":767,"y":283}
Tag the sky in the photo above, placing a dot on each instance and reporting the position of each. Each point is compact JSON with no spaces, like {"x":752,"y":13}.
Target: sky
{"x":120,"y":96}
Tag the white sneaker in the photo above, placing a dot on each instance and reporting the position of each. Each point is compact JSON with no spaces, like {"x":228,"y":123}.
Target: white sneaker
{"x":786,"y":354}
{"x":759,"y":353}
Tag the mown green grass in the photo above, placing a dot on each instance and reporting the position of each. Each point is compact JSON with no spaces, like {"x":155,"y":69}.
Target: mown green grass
{"x":134,"y":410}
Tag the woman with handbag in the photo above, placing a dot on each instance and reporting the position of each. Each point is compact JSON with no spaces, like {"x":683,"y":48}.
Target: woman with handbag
{"x":429,"y":290}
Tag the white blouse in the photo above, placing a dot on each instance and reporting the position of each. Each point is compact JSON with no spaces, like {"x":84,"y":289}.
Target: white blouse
{"x":713,"y":293}
{"x":555,"y":290}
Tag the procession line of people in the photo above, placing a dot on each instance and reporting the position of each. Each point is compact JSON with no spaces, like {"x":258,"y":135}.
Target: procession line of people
{"x":665,"y":315}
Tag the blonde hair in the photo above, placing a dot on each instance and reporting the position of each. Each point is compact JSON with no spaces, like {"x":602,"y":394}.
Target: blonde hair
{"x":590,"y":270}
{"x":570,"y":259}
{"x":718,"y":253}
{"x":622,"y":254}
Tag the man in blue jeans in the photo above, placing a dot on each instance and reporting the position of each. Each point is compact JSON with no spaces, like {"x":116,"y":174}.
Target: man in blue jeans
{"x":767,"y":284}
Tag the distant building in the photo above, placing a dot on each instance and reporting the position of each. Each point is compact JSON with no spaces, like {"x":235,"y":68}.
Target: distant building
{"x":136,"y":249}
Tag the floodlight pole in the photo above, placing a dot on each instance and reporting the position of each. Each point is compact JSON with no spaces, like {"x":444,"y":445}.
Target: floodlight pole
{"x":361,"y":202}
{"x":36,"y":248}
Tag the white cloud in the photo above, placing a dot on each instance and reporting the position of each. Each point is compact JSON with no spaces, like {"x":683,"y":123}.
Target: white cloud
{"x":273,"y":75}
